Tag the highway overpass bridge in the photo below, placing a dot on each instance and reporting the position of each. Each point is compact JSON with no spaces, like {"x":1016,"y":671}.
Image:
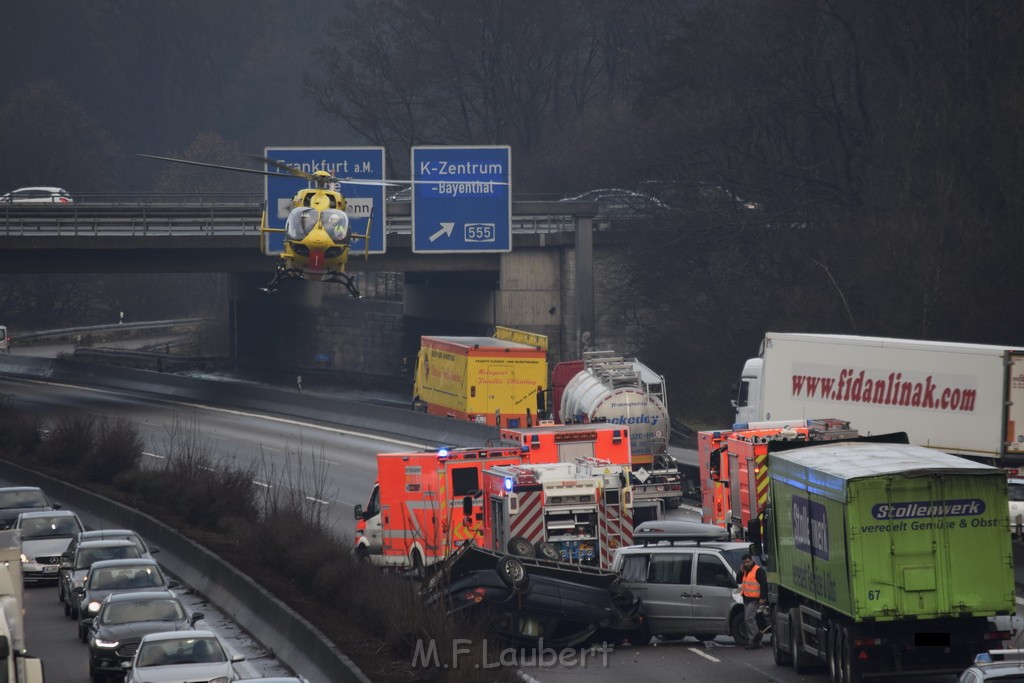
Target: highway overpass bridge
{"x":545,"y":284}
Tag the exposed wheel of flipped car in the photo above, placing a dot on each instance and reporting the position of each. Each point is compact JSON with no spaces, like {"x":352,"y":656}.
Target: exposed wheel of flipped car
{"x":519,"y":546}
{"x":546,"y":551}
{"x":512,"y":572}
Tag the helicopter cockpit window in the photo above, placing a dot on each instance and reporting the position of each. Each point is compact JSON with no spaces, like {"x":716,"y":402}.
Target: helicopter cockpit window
{"x":335,"y":222}
{"x":300,"y":222}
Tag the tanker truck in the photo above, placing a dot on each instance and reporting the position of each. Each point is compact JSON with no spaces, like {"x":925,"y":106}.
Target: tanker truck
{"x":964,"y":399}
{"x":624,"y":391}
{"x":883,"y":559}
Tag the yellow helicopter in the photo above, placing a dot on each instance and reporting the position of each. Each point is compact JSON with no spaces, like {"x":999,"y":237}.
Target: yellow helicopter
{"x":317,"y":235}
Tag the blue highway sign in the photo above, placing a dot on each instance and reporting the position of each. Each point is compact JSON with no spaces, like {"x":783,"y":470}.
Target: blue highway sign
{"x":365,"y":203}
{"x":461,"y":199}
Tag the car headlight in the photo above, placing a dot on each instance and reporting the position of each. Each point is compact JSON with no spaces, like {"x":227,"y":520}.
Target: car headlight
{"x":25,"y":558}
{"x":93,"y":607}
{"x":99,"y":642}
{"x":220,"y":679}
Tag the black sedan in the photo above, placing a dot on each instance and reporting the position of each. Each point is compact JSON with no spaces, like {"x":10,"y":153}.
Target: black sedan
{"x":525,"y":599}
{"x":114,"y":633}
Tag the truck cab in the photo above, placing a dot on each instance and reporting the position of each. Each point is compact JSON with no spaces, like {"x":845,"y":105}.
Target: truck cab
{"x":746,"y":391}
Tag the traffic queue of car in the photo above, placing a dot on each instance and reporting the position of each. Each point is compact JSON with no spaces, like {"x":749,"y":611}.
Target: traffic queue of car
{"x":123,"y":603}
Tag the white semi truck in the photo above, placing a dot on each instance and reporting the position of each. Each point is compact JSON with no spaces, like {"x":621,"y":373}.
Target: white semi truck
{"x":965,"y":399}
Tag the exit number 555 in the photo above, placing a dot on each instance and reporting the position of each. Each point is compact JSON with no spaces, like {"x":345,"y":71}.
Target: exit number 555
{"x":480,"y":232}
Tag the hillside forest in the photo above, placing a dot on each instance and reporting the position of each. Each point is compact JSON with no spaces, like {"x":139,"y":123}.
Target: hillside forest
{"x":817,"y":165}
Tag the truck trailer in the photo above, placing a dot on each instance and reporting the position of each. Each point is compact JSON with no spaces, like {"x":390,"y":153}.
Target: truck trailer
{"x":884,"y":559}
{"x":965,"y":399}
{"x":16,"y":664}
{"x":500,"y":380}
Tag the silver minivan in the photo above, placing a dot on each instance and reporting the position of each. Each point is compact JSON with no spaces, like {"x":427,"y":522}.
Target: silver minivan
{"x":5,"y":341}
{"x":686,"y":587}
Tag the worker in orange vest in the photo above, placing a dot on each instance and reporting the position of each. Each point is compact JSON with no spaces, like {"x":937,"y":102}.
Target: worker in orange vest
{"x":754,"y":588}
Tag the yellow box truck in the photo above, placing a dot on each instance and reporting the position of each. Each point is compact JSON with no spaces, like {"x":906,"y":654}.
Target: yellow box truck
{"x":499,"y":380}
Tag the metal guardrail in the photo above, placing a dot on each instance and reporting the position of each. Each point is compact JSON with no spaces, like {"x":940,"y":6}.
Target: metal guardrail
{"x":226,"y":219}
{"x":151,"y":325}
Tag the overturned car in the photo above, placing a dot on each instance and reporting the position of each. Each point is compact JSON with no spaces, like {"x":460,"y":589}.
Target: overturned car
{"x":527,"y":600}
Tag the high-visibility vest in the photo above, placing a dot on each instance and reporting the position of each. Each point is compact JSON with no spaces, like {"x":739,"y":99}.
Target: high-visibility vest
{"x":750,"y":588}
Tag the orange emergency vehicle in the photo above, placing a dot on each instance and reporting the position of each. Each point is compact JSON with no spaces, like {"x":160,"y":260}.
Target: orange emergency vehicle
{"x":424,"y":505}
{"x":604,"y":441}
{"x":582,"y":509}
{"x":733,"y":465}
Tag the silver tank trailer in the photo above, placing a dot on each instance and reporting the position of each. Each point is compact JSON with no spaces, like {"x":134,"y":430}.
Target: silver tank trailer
{"x":621,"y":391}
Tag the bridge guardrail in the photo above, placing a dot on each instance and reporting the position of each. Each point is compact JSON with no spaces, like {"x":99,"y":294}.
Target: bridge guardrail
{"x":177,"y":219}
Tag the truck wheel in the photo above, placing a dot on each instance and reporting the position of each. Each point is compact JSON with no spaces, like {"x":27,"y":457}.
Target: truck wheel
{"x":781,"y":657}
{"x":512,"y":573}
{"x":519,"y":546}
{"x":834,"y":653}
{"x":738,"y":628}
{"x":545,"y":551}
{"x":801,"y":660}
{"x":852,"y":671}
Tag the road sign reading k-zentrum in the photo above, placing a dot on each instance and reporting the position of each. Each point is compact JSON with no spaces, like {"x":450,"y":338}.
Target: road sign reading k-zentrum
{"x":365,"y":203}
{"x":461,"y":199}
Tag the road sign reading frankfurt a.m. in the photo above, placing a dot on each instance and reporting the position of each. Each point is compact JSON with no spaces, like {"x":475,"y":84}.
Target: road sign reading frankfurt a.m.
{"x":461,"y":199}
{"x":366,"y":206}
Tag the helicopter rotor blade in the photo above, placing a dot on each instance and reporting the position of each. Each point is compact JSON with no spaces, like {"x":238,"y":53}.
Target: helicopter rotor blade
{"x":289,"y":169}
{"x":219,"y":166}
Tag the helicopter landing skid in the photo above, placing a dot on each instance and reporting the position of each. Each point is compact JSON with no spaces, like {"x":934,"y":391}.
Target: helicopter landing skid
{"x":346,"y":280}
{"x":296,"y":274}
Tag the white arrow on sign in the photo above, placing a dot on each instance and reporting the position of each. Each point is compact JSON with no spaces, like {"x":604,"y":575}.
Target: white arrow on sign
{"x":446,"y":230}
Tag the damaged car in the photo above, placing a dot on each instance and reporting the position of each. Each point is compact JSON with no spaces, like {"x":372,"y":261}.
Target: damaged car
{"x":528,"y":600}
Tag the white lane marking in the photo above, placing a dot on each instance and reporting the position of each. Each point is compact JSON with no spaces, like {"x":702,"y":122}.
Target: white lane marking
{"x":318,"y":500}
{"x":244,"y":413}
{"x":263,"y":484}
{"x":154,"y":455}
{"x":705,"y":655}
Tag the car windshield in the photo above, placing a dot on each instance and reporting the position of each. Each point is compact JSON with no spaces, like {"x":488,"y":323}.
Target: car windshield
{"x":86,"y":556}
{"x":1016,"y":492}
{"x":180,"y":651}
{"x":48,"y":527}
{"x":23,"y":499}
{"x":129,"y":612}
{"x":118,"y":578}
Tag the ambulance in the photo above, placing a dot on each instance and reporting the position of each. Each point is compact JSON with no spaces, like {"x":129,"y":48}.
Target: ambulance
{"x":577,"y":512}
{"x":424,"y":505}
{"x":733,"y":466}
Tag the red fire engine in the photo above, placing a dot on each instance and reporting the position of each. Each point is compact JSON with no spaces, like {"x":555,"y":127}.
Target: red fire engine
{"x":583,"y":509}
{"x":733,"y":465}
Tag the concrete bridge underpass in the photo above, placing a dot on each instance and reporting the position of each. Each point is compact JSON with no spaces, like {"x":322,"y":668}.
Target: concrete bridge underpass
{"x":545,"y":284}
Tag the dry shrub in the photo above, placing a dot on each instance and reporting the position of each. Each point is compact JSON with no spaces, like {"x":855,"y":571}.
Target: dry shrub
{"x":20,"y":432}
{"x":117,"y":448}
{"x":70,"y":442}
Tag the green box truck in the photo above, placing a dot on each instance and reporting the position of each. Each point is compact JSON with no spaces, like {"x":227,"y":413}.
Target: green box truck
{"x":885,"y":558}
